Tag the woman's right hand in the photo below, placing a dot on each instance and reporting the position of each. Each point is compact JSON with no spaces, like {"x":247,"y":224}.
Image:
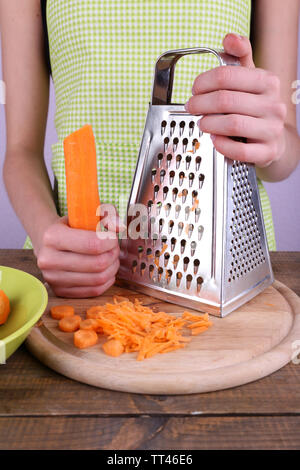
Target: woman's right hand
{"x":77,"y":263}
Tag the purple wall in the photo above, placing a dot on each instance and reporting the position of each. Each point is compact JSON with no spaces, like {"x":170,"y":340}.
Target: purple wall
{"x":285,"y":196}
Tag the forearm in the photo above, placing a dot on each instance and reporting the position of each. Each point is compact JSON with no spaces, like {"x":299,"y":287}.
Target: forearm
{"x":33,"y":200}
{"x":282,"y":168}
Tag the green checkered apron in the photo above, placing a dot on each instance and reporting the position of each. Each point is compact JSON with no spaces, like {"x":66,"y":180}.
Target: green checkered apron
{"x":102,"y":57}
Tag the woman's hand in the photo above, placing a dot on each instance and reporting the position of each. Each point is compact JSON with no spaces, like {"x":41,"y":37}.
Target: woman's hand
{"x":243,"y":102}
{"x":77,"y":263}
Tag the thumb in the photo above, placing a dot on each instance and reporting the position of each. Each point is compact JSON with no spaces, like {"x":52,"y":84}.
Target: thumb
{"x":239,"y":46}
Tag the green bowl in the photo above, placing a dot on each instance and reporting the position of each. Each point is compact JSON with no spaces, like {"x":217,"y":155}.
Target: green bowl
{"x":28,"y":300}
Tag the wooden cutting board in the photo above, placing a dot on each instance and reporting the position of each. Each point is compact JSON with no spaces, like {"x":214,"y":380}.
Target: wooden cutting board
{"x":250,"y":343}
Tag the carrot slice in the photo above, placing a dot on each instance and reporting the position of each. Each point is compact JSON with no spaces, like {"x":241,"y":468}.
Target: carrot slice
{"x":60,"y":311}
{"x":113,"y":347}
{"x":95,"y":311}
{"x":4,"y":307}
{"x":81,"y":179}
{"x":69,"y":324}
{"x":90,"y":324}
{"x":85,"y":338}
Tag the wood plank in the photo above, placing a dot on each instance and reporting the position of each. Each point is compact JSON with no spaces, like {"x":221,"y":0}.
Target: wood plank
{"x":159,"y":433}
{"x":29,"y":388}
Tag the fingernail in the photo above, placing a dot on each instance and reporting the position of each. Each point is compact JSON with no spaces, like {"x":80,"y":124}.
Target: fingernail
{"x":213,"y":137}
{"x":186,"y":106}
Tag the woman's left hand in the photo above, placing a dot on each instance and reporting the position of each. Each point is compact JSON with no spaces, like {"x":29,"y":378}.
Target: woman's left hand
{"x":243,"y":102}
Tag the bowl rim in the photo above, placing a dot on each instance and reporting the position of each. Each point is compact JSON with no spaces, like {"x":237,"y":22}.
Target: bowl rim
{"x":39,"y":312}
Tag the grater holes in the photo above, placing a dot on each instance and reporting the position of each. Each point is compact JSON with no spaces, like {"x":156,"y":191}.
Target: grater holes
{"x":177,"y":210}
{"x":166,"y":143}
{"x":181,"y":177}
{"x":191,"y":128}
{"x":162,"y":175}
{"x":169,"y":273}
{"x":188,"y":159}
{"x":197,"y":214}
{"x":163,"y":127}
{"x":140,"y":251}
{"x":174,"y":194}
{"x":166,"y":258}
{"x":178,"y":279}
{"x":246,"y":249}
{"x":188,"y":281}
{"x":160,"y":273}
{"x":193,"y":248}
{"x":197,"y":163}
{"x":184,"y":195}
{"x":195,"y":145}
{"x":184,"y":144}
{"x":180,"y":228}
{"x":165,"y":192}
{"x":191,"y":179}
{"x":199,"y":283}
{"x":153,"y":174}
{"x":178,"y":161}
{"x":182,"y":245}
{"x":134,"y":265}
{"x":201,"y":180}
{"x":158,"y":207}
{"x":172,"y":127}
{"x":154,"y":239}
{"x":200,"y":232}
{"x":196,"y":265}
{"x":159,"y":159}
{"x":171,"y":176}
{"x":169,"y":159}
{"x":190,"y":229}
{"x":160,"y":224}
{"x":186,"y":261}
{"x":173,"y":243}
{"x":175,"y":261}
{"x":149,"y":205}
{"x":175,"y":143}
{"x":142,"y":268}
{"x":170,"y":226}
{"x":194,"y":196}
{"x":151,"y":271}
{"x":167,"y":209}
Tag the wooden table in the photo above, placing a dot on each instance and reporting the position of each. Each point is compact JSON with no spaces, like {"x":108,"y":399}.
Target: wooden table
{"x":40,"y":409}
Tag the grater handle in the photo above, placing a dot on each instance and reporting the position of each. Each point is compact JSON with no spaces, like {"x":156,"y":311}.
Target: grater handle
{"x":165,"y":67}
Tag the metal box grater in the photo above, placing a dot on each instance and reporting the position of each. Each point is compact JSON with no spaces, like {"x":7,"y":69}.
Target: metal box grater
{"x":201,"y":241}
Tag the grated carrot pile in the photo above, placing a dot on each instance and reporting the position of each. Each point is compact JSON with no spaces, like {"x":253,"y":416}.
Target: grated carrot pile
{"x":131,"y":326}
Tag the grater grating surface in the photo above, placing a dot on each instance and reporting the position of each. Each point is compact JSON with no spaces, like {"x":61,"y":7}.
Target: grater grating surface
{"x":195,"y":227}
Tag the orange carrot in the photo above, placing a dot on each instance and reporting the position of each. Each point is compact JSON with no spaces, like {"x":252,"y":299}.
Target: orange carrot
{"x":85,"y":338}
{"x":197,"y":331}
{"x":90,"y":324}
{"x":69,"y":324}
{"x":94,"y":312}
{"x":4,"y":307}
{"x":131,"y":326}
{"x":81,"y":179}
{"x":60,"y":311}
{"x":113,"y":347}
